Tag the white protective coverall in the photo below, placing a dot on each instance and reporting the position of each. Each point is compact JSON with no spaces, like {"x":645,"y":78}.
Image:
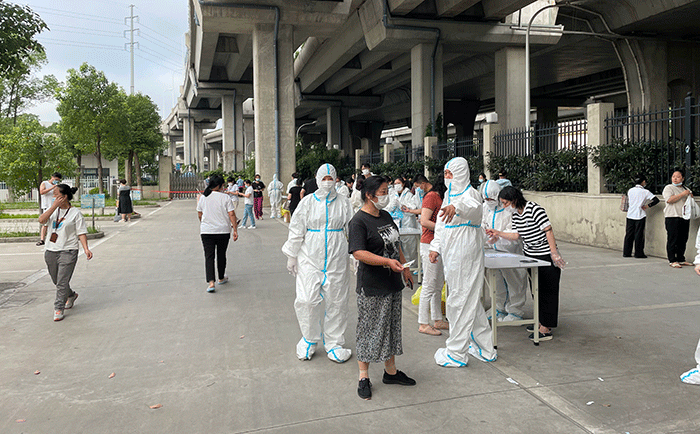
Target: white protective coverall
{"x":343,"y":190}
{"x":511,"y":289}
{"x":275,"y":192}
{"x":460,"y":243}
{"x":318,"y":240}
{"x":693,"y":376}
{"x":409,"y":243}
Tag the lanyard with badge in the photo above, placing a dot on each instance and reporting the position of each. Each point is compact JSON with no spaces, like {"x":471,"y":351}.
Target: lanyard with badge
{"x":57,"y":223}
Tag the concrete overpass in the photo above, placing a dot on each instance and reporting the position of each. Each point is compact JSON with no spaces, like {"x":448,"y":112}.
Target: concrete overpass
{"x":357,"y":67}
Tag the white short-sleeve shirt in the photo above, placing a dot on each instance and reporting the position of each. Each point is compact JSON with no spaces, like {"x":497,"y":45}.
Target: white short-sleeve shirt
{"x":638,"y":196}
{"x":47,"y":199}
{"x":71,"y":225}
{"x":215,"y":209}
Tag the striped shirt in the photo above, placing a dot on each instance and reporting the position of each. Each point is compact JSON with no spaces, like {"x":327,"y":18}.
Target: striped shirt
{"x":530,"y":226}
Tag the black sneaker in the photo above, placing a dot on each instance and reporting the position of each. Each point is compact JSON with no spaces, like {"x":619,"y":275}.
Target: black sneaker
{"x":364,"y":389}
{"x":543,"y":336}
{"x":398,"y":378}
{"x":40,"y":243}
{"x":530,"y":329}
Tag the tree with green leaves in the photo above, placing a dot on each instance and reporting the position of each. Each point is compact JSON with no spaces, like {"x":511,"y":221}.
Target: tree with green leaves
{"x":19,"y":26}
{"x":21,"y":89}
{"x":93,"y":113}
{"x":145,"y":140}
{"x":28,"y":153}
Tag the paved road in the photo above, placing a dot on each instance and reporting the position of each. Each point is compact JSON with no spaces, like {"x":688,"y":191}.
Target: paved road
{"x":225,"y":363}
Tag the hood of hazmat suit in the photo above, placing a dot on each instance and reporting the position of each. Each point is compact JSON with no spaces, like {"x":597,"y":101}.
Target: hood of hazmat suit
{"x":460,"y":242}
{"x":318,"y":239}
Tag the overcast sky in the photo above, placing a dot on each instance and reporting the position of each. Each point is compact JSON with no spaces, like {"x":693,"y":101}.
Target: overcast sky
{"x":94,"y":32}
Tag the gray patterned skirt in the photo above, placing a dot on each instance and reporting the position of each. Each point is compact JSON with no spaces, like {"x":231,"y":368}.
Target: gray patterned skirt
{"x":378,"y":327}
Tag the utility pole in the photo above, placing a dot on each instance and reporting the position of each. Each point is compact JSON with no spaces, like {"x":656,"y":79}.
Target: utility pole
{"x":131,"y":42}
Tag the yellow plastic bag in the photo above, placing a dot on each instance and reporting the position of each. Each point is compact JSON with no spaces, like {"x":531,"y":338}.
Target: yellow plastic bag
{"x":415,"y":298}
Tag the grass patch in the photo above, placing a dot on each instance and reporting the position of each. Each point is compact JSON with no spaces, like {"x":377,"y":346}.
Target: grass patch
{"x":36,"y":216}
{"x":19,"y":205}
{"x":92,"y":230}
{"x":18,"y":234}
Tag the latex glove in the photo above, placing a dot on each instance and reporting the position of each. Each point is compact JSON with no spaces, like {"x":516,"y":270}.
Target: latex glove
{"x":558,"y":260}
{"x":292,"y":266}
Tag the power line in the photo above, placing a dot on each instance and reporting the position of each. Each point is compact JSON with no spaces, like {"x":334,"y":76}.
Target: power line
{"x":160,"y":45}
{"x":162,"y":35}
{"x":51,"y":26}
{"x":155,"y":63}
{"x":72,"y":14}
{"x":82,"y":44}
{"x":73,"y":32}
{"x":156,"y":55}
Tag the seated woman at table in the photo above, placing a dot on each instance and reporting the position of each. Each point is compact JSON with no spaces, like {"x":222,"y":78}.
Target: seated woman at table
{"x":531,"y":224}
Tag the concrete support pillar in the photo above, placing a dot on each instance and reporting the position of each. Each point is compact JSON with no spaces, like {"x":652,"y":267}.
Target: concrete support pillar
{"x":333,"y":128}
{"x":346,"y":146}
{"x":421,"y":64}
{"x":510,"y":87}
{"x":428,"y":143}
{"x":647,"y":73}
{"x":188,"y":141}
{"x":388,"y":150}
{"x":266,"y":87}
{"x":462,"y":114}
{"x":199,"y":142}
{"x":358,"y":158}
{"x":240,"y":142}
{"x":596,"y":136}
{"x":172,"y":148}
{"x":165,"y":169}
{"x":375,"y":130}
{"x":490,"y":130}
{"x":248,"y":141}
{"x":228,"y":134}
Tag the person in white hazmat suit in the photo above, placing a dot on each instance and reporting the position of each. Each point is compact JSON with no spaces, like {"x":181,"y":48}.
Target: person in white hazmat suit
{"x":511,"y":288}
{"x":401,"y":200}
{"x":275,"y":192}
{"x":693,"y":376}
{"x":459,"y":239}
{"x":317,"y":252}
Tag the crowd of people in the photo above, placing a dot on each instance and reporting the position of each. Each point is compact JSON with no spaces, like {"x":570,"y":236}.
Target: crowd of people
{"x":345,"y":230}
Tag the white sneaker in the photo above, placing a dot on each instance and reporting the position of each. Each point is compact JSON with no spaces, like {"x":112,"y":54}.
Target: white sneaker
{"x":511,"y":317}
{"x":251,"y":227}
{"x":242,"y":227}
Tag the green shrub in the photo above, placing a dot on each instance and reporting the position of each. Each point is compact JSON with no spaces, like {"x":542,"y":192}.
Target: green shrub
{"x":621,"y":161}
{"x":563,"y":170}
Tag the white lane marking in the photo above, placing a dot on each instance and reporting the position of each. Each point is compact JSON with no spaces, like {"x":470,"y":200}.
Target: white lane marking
{"x":583,"y":267}
{"x":22,"y":254}
{"x":34,"y":276}
{"x":632,"y":308}
{"x":133,"y":223}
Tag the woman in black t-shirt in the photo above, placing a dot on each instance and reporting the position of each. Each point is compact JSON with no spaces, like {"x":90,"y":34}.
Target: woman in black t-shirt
{"x":258,"y":187}
{"x":374,"y":242}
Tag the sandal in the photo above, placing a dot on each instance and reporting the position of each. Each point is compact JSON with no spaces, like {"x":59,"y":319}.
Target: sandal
{"x":687,"y":264}
{"x":429,"y":330}
{"x":675,"y":265}
{"x":442,"y":325}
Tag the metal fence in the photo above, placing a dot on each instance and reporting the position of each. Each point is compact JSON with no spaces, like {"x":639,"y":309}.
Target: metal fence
{"x":186,"y":185}
{"x":667,"y":138}
{"x":407,"y":155}
{"x":473,"y":147}
{"x":372,"y":158}
{"x":542,"y":138}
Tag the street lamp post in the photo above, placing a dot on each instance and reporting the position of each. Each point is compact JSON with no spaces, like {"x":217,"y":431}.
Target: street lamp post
{"x":304,"y":125}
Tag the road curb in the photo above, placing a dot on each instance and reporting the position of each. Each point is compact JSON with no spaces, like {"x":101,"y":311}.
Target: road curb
{"x":94,"y":236}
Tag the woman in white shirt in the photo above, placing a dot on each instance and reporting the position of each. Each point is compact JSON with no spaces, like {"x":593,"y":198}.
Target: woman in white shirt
{"x":677,"y":228}
{"x":66,"y":228}
{"x":217,"y":216}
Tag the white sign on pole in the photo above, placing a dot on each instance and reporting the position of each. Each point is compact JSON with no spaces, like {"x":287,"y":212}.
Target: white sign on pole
{"x":87,"y":201}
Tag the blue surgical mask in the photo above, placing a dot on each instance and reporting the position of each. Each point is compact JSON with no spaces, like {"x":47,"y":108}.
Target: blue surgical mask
{"x":481,"y":181}
{"x":677,"y":185}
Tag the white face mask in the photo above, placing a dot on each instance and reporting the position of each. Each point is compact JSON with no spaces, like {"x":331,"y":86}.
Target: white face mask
{"x":491,"y":204}
{"x":382,"y":201}
{"x":365,"y":172}
{"x":448,"y":182}
{"x":326,"y":186}
{"x":398,"y":188}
